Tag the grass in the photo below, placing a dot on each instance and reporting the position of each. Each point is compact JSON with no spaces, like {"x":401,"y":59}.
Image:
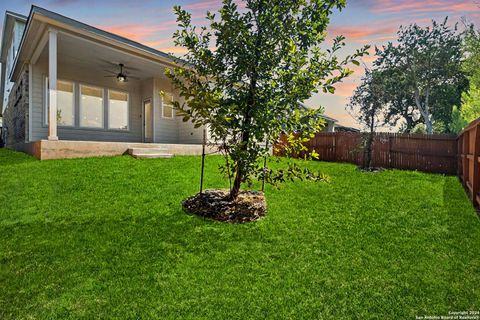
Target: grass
{"x":107,"y":238}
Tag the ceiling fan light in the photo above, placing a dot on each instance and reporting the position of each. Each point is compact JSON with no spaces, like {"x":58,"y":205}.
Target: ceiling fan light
{"x":121,"y":78}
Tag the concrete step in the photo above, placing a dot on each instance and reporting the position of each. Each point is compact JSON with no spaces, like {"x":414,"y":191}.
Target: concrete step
{"x":152,"y":155}
{"x":146,"y":150}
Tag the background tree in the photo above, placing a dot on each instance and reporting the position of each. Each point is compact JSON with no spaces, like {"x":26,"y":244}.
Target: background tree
{"x":367,"y":105}
{"x":470,"y":100}
{"x":471,"y":50}
{"x":423,"y":73}
{"x":267,"y":57}
{"x":457,"y":122}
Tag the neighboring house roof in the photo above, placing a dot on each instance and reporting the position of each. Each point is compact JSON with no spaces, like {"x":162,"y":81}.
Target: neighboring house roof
{"x":35,"y":10}
{"x":339,"y":127}
{"x":322,"y":115}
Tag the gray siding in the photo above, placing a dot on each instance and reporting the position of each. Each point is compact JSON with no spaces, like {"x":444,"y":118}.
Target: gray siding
{"x":172,"y":130}
{"x":188,"y":134}
{"x":40,"y":129}
{"x":166,"y":130}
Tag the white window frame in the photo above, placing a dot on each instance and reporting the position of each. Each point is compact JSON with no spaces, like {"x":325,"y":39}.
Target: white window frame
{"x":128,"y":110}
{"x":80,"y":106}
{"x":163,"y":105}
{"x":45,"y":108}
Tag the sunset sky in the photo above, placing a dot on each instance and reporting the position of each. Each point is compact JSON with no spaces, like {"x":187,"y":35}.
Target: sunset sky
{"x":152,"y":23}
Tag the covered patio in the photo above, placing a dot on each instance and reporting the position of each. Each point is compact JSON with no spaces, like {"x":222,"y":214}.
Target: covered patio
{"x":75,"y":93}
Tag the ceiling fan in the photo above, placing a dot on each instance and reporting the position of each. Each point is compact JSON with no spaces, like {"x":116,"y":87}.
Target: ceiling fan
{"x":121,"y":75}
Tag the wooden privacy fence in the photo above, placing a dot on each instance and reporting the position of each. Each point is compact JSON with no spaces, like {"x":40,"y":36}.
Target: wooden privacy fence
{"x":468,"y":160}
{"x":429,"y":153}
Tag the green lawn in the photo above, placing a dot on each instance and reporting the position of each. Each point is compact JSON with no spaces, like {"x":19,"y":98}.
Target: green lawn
{"x":107,"y":238}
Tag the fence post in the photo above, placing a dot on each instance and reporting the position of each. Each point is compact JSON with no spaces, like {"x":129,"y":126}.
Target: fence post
{"x":335,"y":147}
{"x":389,"y":151}
{"x":465,"y":148}
{"x":476,"y":172}
{"x":203,"y":159}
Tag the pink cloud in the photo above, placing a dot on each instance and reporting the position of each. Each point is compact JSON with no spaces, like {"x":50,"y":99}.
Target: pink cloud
{"x":203,"y":5}
{"x":139,"y":32}
{"x":427,"y":6}
{"x":156,"y":43}
{"x":363,"y":32}
{"x":345,"y":89}
{"x":210,"y":5}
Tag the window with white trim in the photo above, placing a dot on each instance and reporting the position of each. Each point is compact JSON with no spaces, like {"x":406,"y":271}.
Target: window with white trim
{"x":65,"y":103}
{"x":117,"y":110}
{"x":91,"y":107}
{"x":167,"y":105}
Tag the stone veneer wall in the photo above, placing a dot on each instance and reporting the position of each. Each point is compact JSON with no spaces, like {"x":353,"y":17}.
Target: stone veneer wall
{"x":15,"y":116}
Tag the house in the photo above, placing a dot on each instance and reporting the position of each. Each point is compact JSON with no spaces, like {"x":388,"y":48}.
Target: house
{"x":69,"y":90}
{"x":72,"y":90}
{"x":340,"y":128}
{"x":330,"y":122}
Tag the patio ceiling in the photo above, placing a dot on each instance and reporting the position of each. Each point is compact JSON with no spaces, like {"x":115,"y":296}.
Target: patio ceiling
{"x":75,"y":52}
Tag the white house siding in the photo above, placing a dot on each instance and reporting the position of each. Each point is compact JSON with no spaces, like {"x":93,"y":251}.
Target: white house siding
{"x":172,"y":130}
{"x":147,"y":93}
{"x":188,"y":134}
{"x":80,"y":75}
{"x":166,"y":130}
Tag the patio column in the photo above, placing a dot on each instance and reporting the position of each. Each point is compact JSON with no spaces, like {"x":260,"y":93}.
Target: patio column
{"x":52,"y":85}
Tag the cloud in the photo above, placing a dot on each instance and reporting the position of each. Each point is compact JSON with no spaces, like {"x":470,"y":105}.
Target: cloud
{"x":345,"y":89}
{"x":416,"y":6}
{"x":157,"y":43}
{"x":203,"y":5}
{"x":138,"y":32}
{"x":210,"y":5}
{"x":395,"y":7}
{"x":362,"y":33}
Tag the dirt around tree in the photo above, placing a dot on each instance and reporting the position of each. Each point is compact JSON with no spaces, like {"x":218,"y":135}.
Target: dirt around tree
{"x":215,"y":204}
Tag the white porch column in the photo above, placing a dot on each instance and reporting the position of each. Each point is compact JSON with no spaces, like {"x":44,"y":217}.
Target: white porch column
{"x":52,"y":84}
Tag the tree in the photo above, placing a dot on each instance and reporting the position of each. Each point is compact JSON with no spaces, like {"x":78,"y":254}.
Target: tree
{"x":367,"y":105}
{"x":470,"y":100}
{"x":267,"y":58}
{"x":457,"y":122}
{"x":423,"y":74}
{"x":471,"y":49}
{"x":471,"y":104}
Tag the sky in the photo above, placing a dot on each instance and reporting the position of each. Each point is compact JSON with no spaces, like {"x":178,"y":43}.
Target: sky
{"x":373,"y":22}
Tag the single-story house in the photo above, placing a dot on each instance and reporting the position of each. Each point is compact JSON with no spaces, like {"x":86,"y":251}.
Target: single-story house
{"x":341,"y":128}
{"x":72,"y":90}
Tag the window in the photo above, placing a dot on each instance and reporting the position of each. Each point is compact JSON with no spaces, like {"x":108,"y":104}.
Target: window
{"x":167,"y":105}
{"x":117,"y":110}
{"x":65,"y":103}
{"x":91,"y":107}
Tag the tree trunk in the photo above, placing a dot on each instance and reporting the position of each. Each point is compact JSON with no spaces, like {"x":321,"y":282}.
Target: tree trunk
{"x":370,"y":142}
{"x":424,"y":110}
{"x":239,"y":171}
{"x":239,"y":174}
{"x":236,"y":185}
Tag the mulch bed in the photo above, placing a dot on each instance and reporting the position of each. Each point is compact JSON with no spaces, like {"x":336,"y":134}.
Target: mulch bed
{"x":214,"y":204}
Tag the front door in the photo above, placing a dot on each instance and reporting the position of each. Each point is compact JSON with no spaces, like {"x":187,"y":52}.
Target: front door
{"x":148,"y":120}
